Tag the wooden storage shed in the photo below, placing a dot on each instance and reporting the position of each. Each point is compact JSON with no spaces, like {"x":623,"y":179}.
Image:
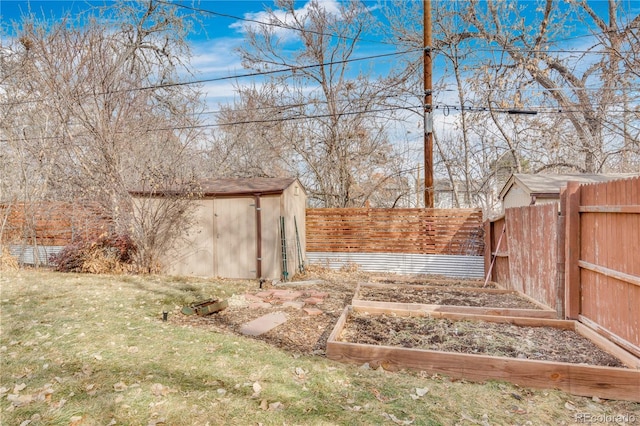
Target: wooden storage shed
{"x":244,"y":228}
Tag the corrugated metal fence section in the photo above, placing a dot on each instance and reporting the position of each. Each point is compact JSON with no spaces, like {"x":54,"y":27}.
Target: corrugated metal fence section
{"x":448,"y":265}
{"x":28,"y":255}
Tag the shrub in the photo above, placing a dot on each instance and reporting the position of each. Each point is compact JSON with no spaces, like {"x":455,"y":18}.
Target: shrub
{"x":7,"y":262}
{"x":107,"y":254}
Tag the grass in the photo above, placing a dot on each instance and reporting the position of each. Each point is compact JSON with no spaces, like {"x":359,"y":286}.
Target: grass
{"x":93,"y":350}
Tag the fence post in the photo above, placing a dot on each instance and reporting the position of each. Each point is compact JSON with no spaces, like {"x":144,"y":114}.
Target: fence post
{"x":572,"y":251}
{"x":488,"y":246}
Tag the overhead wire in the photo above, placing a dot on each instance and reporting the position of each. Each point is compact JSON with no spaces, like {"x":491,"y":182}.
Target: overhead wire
{"x":272,"y":24}
{"x":233,"y":77}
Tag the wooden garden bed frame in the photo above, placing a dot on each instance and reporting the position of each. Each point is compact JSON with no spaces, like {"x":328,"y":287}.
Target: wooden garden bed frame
{"x":378,"y":306}
{"x":578,"y":379}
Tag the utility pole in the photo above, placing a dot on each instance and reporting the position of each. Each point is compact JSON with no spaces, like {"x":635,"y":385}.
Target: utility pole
{"x":428,"y":107}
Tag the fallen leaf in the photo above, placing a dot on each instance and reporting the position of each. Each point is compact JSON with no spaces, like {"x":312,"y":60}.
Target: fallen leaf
{"x":19,"y":400}
{"x":159,"y":390}
{"x":76,"y":420}
{"x":569,"y":406}
{"x":97,"y":357}
{"x":18,"y":388}
{"x":120,"y":387}
{"x":264,"y":405}
{"x":256,"y":390}
{"x":396,"y":420}
{"x":276,"y":406}
{"x":300,"y":373}
{"x":422,"y":391}
{"x":59,"y":404}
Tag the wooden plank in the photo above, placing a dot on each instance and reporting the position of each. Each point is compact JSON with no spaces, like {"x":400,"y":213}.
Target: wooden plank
{"x":438,"y":287}
{"x":578,"y":379}
{"x":626,"y":345}
{"x":631,"y":279}
{"x":572,"y":251}
{"x":393,"y":307}
{"x":610,"y":209}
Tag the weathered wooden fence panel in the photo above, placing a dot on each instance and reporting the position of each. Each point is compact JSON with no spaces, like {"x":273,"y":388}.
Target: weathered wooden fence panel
{"x":409,"y":231}
{"x":607,"y":277}
{"x":585,"y":262}
{"x":532,"y":235}
{"x":49,"y":223}
{"x":497,"y":252}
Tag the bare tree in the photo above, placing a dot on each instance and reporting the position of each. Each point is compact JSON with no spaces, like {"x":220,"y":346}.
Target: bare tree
{"x":586,"y":89}
{"x":326,"y":124}
{"x":503,"y":58}
{"x":96,"y":111}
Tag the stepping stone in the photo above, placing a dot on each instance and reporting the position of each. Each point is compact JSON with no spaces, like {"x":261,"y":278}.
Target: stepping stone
{"x":312,"y":311}
{"x":263,"y":324}
{"x":252,"y":298}
{"x":290,"y":304}
{"x":313,"y":301}
{"x":286,"y":294}
{"x":260,"y":305}
{"x":264,"y":294}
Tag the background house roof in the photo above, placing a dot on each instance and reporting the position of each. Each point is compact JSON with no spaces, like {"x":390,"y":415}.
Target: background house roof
{"x":550,"y":185}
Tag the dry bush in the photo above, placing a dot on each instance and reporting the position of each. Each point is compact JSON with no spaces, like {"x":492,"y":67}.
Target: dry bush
{"x":109,"y":254}
{"x":7,"y":261}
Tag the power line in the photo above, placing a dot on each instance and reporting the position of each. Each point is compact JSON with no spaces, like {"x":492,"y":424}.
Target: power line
{"x":232,"y":77}
{"x":272,"y":24}
{"x":445,"y":108}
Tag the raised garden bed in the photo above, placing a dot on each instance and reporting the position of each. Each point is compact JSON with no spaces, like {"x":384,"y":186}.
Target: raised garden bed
{"x":434,"y":281}
{"x":469,"y":300}
{"x":387,"y":339}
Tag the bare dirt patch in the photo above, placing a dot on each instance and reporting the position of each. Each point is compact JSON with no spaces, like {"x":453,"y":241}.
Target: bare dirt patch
{"x":475,"y":337}
{"x":301,"y":333}
{"x":431,"y":280}
{"x":445,"y":296}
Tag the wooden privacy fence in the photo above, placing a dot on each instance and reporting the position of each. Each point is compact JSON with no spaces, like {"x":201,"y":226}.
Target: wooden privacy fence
{"x":51,"y":223}
{"x":581,"y":257}
{"x":409,"y":231}
{"x":603,"y":259}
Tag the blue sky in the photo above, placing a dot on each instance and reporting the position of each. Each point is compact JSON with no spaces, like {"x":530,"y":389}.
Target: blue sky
{"x":212,"y":42}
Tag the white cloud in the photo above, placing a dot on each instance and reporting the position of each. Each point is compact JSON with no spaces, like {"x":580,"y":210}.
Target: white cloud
{"x":331,"y":6}
{"x":216,"y":56}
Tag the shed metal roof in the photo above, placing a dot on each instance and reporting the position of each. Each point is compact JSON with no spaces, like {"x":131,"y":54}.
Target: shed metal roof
{"x":238,"y":186}
{"x":550,"y":185}
{"x":232,"y":187}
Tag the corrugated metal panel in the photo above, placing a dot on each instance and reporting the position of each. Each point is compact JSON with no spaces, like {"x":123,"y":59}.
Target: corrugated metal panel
{"x":27,"y":255}
{"x":447,"y":265}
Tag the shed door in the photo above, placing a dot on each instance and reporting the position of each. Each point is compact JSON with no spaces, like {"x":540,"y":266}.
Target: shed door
{"x":235,"y":237}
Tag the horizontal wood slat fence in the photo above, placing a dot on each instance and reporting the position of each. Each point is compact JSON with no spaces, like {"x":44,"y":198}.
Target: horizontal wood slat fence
{"x":51,"y":223}
{"x":584,"y":261}
{"x":411,"y":231}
